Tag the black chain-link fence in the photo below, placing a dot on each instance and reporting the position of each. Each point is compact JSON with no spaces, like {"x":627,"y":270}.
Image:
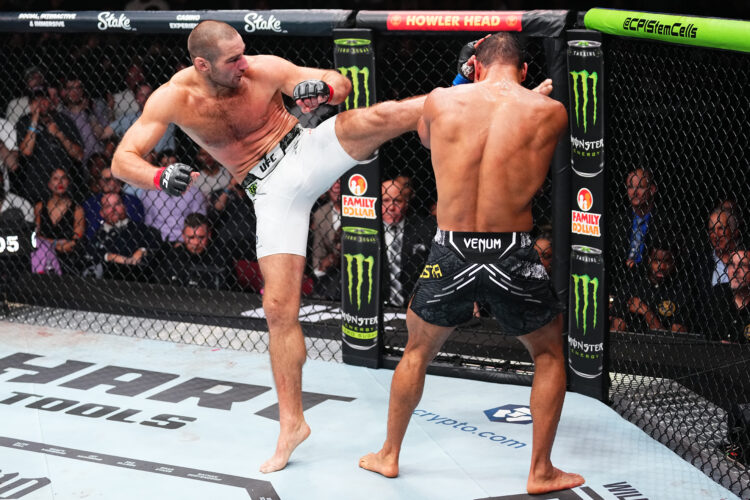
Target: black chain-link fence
{"x":677,"y":156}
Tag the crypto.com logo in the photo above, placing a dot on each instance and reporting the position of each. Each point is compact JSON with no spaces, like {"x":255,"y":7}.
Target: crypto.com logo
{"x":510,"y":414}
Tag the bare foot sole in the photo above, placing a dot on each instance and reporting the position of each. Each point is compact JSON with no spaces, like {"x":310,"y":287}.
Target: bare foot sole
{"x":284,"y":448}
{"x":375,"y":463}
{"x":558,"y":481}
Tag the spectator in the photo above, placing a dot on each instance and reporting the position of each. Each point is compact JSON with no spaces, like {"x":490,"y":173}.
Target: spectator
{"x":543,"y":246}
{"x":641,"y":193}
{"x":213,"y":177}
{"x":656,"y":298}
{"x":197,"y":261}
{"x":121,"y":246}
{"x":123,"y":123}
{"x":126,"y":102}
{"x":92,"y":206}
{"x":76,"y":108}
{"x":326,"y":251}
{"x":407,"y":241}
{"x":20,"y":106}
{"x":94,"y":167}
{"x":14,"y":210}
{"x":724,"y":235}
{"x":729,"y":311}
{"x":8,"y":152}
{"x":167,"y":213}
{"x":48,"y":141}
{"x":60,"y":224}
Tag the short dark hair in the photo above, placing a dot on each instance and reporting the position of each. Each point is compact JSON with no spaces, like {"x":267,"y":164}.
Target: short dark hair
{"x":196,"y":219}
{"x":37,"y":92}
{"x":202,"y":40}
{"x":504,"y":48}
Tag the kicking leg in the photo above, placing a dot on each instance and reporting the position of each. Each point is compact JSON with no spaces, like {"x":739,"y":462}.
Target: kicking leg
{"x":361,"y":131}
{"x":547,"y":395}
{"x":282,"y":274}
{"x":406,"y":390}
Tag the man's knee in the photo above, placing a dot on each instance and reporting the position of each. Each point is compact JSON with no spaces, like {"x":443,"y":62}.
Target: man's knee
{"x":278,"y":310}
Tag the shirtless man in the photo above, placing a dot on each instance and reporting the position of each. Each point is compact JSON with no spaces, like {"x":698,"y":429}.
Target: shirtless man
{"x":492,"y":142}
{"x":231,"y":105}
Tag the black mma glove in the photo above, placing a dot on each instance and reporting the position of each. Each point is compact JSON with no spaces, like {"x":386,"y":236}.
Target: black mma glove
{"x":310,"y":93}
{"x":174,"y":179}
{"x":466,"y":71}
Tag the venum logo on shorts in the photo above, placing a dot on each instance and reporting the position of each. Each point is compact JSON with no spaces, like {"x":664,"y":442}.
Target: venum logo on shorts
{"x":360,"y":78}
{"x":111,"y":20}
{"x":12,"y":483}
{"x":355,"y":271}
{"x":256,"y":22}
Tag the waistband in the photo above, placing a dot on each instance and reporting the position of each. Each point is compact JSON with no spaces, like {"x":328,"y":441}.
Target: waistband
{"x":270,"y":160}
{"x":473,"y":245}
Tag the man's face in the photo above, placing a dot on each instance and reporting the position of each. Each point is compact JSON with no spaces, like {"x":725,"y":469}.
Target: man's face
{"x":134,"y":76}
{"x":113,"y":210}
{"x":108,"y":183}
{"x":738,"y":270}
{"x":661,"y":264}
{"x":230,"y":64}
{"x":35,"y":79}
{"x":394,"y":202}
{"x":640,"y":189}
{"x":544,"y":248}
{"x":720,"y":232}
{"x":196,"y":238}
{"x":141,"y":95}
{"x":334,"y":193}
{"x":73,"y":92}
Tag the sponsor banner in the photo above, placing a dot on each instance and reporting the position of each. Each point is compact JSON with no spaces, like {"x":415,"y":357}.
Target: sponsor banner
{"x":727,"y":34}
{"x":586,"y":320}
{"x":454,"y":21}
{"x":587,"y":224}
{"x":269,"y":22}
{"x":585,"y":82}
{"x":360,"y":213}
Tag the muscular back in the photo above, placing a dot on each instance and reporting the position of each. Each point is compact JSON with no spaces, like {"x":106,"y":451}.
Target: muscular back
{"x":491,"y":142}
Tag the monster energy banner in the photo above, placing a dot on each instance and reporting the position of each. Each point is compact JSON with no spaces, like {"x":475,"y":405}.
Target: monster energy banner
{"x":586,"y":323}
{"x":361,"y":317}
{"x":360,"y":209}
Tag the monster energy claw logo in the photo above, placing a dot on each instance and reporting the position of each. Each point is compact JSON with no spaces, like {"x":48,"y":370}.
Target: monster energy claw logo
{"x":582,"y":99}
{"x":359,"y":260}
{"x":585,"y":281}
{"x":354,"y":73}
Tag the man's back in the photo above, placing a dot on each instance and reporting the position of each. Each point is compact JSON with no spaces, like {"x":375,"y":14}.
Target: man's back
{"x":492,"y":142}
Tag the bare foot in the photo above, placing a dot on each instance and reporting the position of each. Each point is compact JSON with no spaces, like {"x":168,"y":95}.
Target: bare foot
{"x":284,"y":448}
{"x":380,"y":464}
{"x":558,"y":480}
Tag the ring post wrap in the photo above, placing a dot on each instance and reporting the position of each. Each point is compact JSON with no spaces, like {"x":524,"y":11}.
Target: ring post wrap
{"x":361,"y":241}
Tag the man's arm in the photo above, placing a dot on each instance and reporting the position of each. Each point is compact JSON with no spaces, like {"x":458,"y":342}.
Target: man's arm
{"x":289,"y":76}
{"x":128,"y":163}
{"x":423,"y":125}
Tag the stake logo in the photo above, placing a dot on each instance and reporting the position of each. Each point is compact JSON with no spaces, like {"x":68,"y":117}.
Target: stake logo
{"x":355,"y":272}
{"x":581,"y":97}
{"x":588,"y":285}
{"x":359,"y":88}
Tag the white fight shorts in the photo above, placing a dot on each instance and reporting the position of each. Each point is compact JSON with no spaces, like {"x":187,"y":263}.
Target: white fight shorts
{"x":310,"y":165}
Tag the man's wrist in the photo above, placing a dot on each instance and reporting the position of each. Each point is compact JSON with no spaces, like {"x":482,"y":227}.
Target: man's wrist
{"x":157,"y":178}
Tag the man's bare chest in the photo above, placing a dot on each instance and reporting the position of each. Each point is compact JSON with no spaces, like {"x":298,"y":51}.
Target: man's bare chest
{"x":218,"y":123}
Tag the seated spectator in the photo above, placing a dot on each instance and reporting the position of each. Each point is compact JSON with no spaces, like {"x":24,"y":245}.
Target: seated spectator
{"x":125,"y":101}
{"x":92,"y":206}
{"x":655,"y":298}
{"x":120,"y":247}
{"x":47,"y":141}
{"x":94,"y":167}
{"x":123,"y":123}
{"x":543,"y":246}
{"x":76,"y":106}
{"x":407,"y":242}
{"x":8,"y":152}
{"x":213,"y":177}
{"x":60,"y":224}
{"x":14,"y":210}
{"x":325,"y":225}
{"x":233,"y":218}
{"x":641,"y":190}
{"x":19,"y":106}
{"x":197,"y":261}
{"x":729,"y":312}
{"x":167,"y":213}
{"x":724,"y":236}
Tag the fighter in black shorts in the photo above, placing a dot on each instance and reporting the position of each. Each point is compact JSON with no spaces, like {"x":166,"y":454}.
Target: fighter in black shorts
{"x":492,"y":142}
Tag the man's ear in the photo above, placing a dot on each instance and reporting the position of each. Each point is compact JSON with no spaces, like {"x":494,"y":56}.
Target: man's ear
{"x":524,"y":70}
{"x":201,"y":64}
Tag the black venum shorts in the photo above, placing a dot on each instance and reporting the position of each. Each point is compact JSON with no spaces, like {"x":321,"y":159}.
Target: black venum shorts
{"x":499,"y":270}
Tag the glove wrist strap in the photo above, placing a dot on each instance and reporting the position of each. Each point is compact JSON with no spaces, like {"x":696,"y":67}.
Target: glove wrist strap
{"x":330,"y":93}
{"x":157,"y":178}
